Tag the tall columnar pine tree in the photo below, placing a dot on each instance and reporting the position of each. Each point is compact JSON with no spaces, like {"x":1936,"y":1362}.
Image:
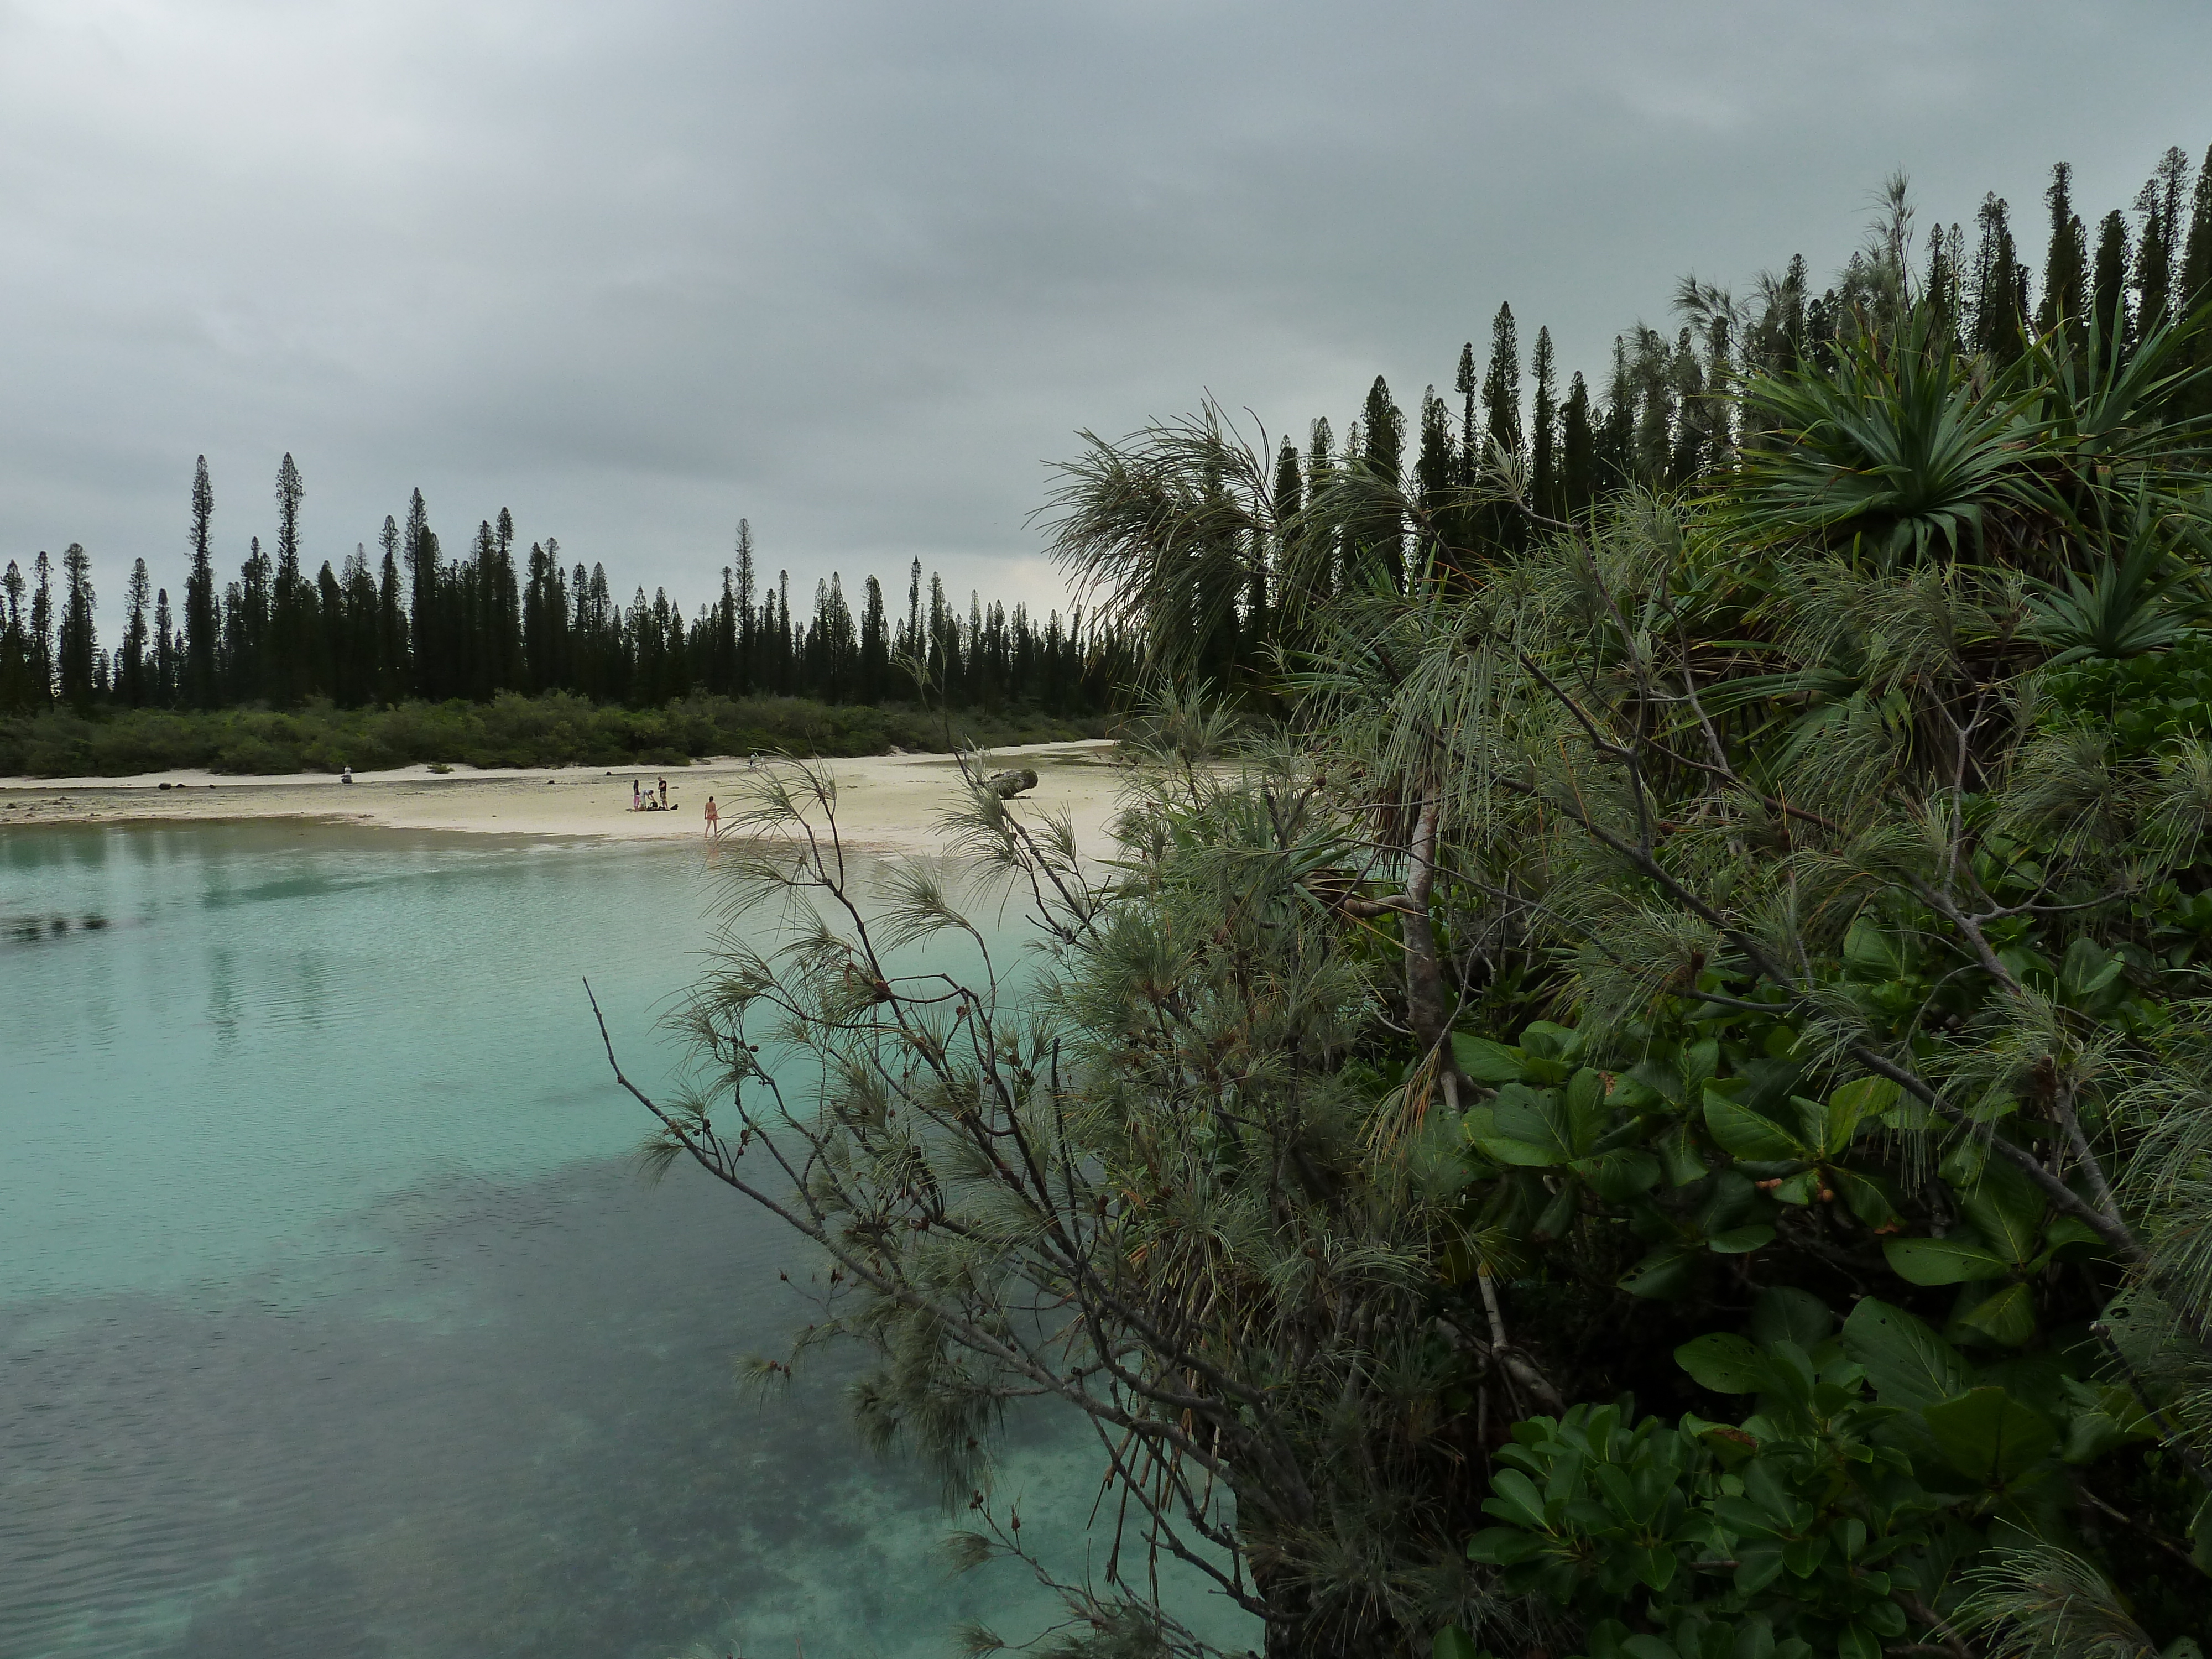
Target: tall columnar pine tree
{"x":42,"y":627}
{"x":2065,"y":303}
{"x":1577,"y":448}
{"x":422,"y":556}
{"x":203,"y":689}
{"x":167,"y":655}
{"x":135,"y":669}
{"x":913,"y":641}
{"x":1997,"y":311}
{"x":1435,"y":479}
{"x":78,"y":644}
{"x":16,"y":692}
{"x":1378,"y":540}
{"x":289,"y":619}
{"x":1694,"y":448}
{"x":1616,"y":464}
{"x":1469,"y":385}
{"x":1651,"y":451}
{"x":2197,"y":245}
{"x":2157,"y":249}
{"x":746,"y":579}
{"x":1543,"y":429}
{"x":1320,"y":470}
{"x":2108,"y":294}
{"x":1501,"y":438}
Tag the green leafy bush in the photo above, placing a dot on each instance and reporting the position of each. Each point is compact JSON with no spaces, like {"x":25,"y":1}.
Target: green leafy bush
{"x":558,"y":729}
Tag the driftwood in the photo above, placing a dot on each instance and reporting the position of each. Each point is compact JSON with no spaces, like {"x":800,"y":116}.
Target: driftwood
{"x":1007,"y":785}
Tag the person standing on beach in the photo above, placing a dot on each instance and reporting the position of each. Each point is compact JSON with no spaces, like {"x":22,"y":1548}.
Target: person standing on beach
{"x":714,"y":818}
{"x":636,"y":799}
{"x":664,"y":794}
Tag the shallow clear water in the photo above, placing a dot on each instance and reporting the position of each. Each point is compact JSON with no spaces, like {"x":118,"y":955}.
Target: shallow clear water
{"x":335,"y":1317}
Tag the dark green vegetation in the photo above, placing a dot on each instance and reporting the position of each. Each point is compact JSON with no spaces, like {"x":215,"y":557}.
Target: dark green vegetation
{"x":418,"y":629}
{"x":1643,"y":1087}
{"x":556,"y":729}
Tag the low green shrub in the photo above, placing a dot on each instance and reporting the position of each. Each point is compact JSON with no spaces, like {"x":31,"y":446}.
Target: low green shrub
{"x":558,"y":729}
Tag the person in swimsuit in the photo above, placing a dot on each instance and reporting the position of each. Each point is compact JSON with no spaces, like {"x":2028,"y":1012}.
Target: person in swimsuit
{"x":636,"y":797}
{"x":664,"y":793}
{"x":714,"y":818}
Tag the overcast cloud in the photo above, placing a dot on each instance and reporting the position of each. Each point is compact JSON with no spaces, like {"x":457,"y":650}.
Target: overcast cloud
{"x":856,"y":271}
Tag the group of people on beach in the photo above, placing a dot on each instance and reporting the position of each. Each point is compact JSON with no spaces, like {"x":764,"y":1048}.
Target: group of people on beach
{"x":642,"y":800}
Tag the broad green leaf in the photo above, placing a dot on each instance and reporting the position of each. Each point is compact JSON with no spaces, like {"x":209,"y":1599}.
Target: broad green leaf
{"x":1747,"y":1134}
{"x":1907,"y":1363}
{"x":1588,"y":1118}
{"x":1620,"y":1177}
{"x":1505,"y":1547}
{"x":1678,"y":1151}
{"x":1520,"y":1154}
{"x":2105,"y":1418}
{"x":1546,"y":1040}
{"x":1666,"y":1271}
{"x":1530,"y":1114}
{"x":1798,"y":1188}
{"x":1486,"y":1061}
{"x":2007,"y":1209}
{"x":1758,"y":1566}
{"x":1662,"y":1080}
{"x":1699,"y":1061}
{"x":2008,"y":1317}
{"x":1954,"y":1261}
{"x":2087,"y":971}
{"x":1812,"y":1118}
{"x":1989,"y":1437}
{"x":1883,"y":1618}
{"x":1741,"y":1241}
{"x":1783,"y":1313}
{"x":1852,"y":1104}
{"x":2070,"y":1233}
{"x":1725,"y":1363}
{"x":1962,"y":1166}
{"x":1515,"y":1500}
{"x":1730,"y":1444}
{"x":1453,"y":1643}
{"x":1869,"y":1197}
{"x":1559,"y":1214}
{"x":1875,"y":954}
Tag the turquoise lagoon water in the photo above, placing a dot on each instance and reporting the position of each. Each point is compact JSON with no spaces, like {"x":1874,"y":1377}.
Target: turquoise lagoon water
{"x":336,"y":1318}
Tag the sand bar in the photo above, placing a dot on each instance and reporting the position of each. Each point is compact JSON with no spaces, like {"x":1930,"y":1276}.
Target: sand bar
{"x":885,"y":802}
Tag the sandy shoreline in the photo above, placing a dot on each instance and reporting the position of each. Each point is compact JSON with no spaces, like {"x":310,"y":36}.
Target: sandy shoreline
{"x":885,"y":802}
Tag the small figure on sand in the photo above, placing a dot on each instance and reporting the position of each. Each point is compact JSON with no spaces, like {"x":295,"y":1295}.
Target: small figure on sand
{"x":636,"y":797}
{"x":345,"y":775}
{"x":664,"y":794}
{"x":714,"y":818}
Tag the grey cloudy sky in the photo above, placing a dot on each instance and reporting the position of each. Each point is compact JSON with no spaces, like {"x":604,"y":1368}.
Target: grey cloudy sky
{"x":856,"y":271}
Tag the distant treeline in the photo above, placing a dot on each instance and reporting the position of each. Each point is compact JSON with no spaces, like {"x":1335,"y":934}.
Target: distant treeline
{"x":559,"y":728}
{"x":414,"y":624}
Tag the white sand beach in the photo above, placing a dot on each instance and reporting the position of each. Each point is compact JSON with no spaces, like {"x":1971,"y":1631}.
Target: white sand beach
{"x":885,"y":802}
